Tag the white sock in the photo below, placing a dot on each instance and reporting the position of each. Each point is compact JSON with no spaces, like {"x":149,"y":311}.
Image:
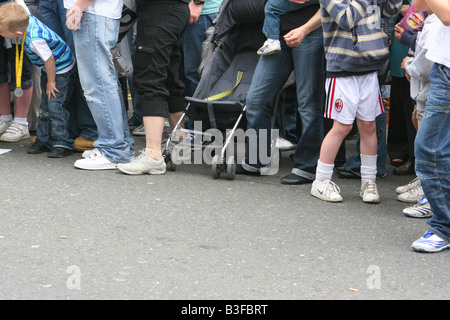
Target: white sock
{"x":368,"y":168}
{"x":271,"y":40}
{"x":22,"y":121}
{"x":324,"y":171}
{"x":7,"y":118}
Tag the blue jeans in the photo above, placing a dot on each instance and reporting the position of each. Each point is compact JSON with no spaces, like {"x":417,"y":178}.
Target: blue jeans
{"x":353,"y":164}
{"x":136,"y":117}
{"x":53,"y":122}
{"x":432,"y":151}
{"x":93,"y":43}
{"x":270,"y":75}
{"x":273,"y":10}
{"x":53,"y":14}
{"x":191,"y":45}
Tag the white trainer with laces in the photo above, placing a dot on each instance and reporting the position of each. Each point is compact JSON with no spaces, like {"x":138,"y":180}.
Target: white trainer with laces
{"x":410,"y":185}
{"x":326,"y":190}
{"x":421,"y":209}
{"x":87,"y":153}
{"x":430,"y":242}
{"x":369,"y":192}
{"x":143,"y":164}
{"x":15,"y":132}
{"x":269,"y":47}
{"x":139,"y":131}
{"x":412,"y":195}
{"x":95,"y":161}
{"x":4,"y":126}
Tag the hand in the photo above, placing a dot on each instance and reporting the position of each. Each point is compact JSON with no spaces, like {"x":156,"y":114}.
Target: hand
{"x":404,"y":63}
{"x":73,"y":18}
{"x":51,"y":89}
{"x":294,"y":37}
{"x":195,"y":11}
{"x":404,"y":8}
{"x":407,"y":76}
{"x":398,"y":31}
{"x":299,"y":1}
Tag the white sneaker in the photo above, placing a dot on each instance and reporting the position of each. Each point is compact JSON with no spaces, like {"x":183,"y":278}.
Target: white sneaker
{"x":430,"y":242}
{"x":15,"y":132}
{"x":139,"y":131}
{"x":95,"y":161}
{"x":421,"y":209}
{"x":284,"y":144}
{"x":143,"y":164}
{"x":369,"y":192}
{"x":269,"y":47}
{"x":326,"y":190}
{"x":413,"y":195}
{"x":410,"y":185}
{"x":87,"y":153}
{"x":4,"y":126}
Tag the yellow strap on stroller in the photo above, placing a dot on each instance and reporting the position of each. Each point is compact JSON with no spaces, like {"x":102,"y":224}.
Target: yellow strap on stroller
{"x":228,"y":92}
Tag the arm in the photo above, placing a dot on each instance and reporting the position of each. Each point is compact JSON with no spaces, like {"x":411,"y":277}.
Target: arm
{"x":418,"y":67}
{"x":295,"y":37}
{"x":441,"y":9}
{"x":195,"y":11}
{"x":51,"y":76}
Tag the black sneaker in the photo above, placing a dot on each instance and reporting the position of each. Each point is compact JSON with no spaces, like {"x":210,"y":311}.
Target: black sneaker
{"x":58,"y":152}
{"x":38,"y":147}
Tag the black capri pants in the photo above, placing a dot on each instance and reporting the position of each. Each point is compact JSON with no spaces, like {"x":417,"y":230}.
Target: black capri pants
{"x":160,"y":27}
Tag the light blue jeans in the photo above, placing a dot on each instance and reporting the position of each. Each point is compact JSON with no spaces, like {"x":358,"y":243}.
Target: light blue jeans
{"x":99,"y":80}
{"x":432,"y":151}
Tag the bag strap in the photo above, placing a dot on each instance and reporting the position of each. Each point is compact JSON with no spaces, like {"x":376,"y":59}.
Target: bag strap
{"x":230,"y":91}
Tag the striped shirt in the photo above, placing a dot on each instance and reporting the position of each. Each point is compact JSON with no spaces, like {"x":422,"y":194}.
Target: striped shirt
{"x":353,"y":38}
{"x":64,"y":59}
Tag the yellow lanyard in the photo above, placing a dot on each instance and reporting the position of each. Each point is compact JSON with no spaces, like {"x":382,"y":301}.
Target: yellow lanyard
{"x":19,"y":66}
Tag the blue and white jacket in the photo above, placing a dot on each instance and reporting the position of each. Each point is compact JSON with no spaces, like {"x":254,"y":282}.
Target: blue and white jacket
{"x":64,"y":58}
{"x":353,"y":38}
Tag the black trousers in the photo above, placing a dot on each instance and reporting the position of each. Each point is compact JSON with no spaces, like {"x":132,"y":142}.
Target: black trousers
{"x":401,"y":133}
{"x":160,"y":27}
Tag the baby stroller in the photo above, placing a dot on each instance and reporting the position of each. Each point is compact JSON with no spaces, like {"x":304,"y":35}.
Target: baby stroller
{"x":219,"y":100}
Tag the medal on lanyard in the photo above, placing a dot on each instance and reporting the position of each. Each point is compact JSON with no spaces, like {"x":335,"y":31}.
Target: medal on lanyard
{"x":18,"y":92}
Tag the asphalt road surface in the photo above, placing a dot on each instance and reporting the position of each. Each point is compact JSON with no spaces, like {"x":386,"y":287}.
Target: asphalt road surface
{"x":71,"y":234}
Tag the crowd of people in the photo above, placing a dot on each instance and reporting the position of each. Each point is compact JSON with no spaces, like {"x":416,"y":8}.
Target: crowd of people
{"x":335,"y":49}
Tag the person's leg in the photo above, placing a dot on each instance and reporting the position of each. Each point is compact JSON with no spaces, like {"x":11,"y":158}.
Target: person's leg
{"x":432,"y":147}
{"x":98,"y":77}
{"x":308,"y":59}
{"x":332,"y":142}
{"x":269,"y":77}
{"x":353,"y":163}
{"x":58,"y":113}
{"x":323,"y":188}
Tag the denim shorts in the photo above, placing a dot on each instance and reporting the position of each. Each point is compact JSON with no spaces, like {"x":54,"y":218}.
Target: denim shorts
{"x":7,"y":67}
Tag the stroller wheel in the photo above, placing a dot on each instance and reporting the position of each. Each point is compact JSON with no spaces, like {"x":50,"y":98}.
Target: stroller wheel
{"x":215,"y":167}
{"x":231,"y":168}
{"x":171,"y":166}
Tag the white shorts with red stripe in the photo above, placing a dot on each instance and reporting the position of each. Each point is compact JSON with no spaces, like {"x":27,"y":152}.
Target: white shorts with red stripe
{"x":353,"y":97}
